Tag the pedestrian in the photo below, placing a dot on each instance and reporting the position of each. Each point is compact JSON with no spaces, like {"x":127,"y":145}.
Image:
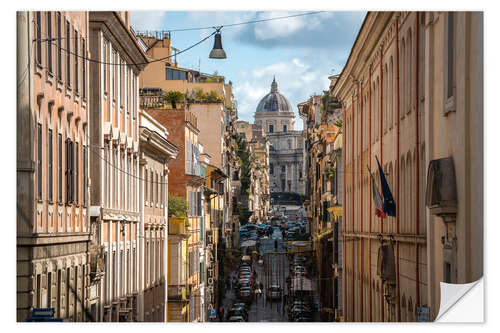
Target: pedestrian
{"x":221,"y":313}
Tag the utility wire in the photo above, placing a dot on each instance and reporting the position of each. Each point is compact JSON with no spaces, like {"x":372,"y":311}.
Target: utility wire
{"x":247,"y":22}
{"x":217,"y":29}
{"x":129,"y":64}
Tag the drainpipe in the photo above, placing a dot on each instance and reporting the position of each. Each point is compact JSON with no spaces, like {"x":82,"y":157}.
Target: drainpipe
{"x":417,"y":273}
{"x":165,"y":244}
{"x":397,"y":169}
{"x":360,"y":100}
{"x":344,"y":275}
{"x":370,"y":162}
{"x":352,"y":200}
{"x":381,"y":160}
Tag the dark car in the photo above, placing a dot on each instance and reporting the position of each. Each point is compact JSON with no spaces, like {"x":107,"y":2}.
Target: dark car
{"x":274,"y":292}
{"x":238,"y":312}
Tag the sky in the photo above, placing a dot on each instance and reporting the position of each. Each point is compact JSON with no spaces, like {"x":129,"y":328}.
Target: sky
{"x":300,"y":51}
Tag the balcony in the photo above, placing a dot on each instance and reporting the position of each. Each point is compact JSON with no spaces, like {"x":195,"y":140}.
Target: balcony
{"x":178,"y":293}
{"x":177,"y":226}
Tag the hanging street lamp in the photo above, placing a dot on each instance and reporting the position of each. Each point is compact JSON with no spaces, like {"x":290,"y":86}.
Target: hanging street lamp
{"x":217,"y":51}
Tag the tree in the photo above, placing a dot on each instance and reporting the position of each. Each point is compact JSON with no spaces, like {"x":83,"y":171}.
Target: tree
{"x":177,"y":206}
{"x":213,"y":97}
{"x":173,"y":97}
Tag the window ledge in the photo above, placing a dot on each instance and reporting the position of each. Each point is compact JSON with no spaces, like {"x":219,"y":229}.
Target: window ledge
{"x":49,"y":78}
{"x":449,"y":105}
{"x":38,"y":69}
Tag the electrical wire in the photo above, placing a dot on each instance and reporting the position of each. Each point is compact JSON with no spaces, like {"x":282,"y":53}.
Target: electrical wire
{"x":129,"y":64}
{"x":217,"y":29}
{"x":247,"y":22}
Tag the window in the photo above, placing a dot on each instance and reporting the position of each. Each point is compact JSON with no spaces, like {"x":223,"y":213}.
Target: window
{"x":59,"y":49}
{"x":59,"y":168}
{"x":49,"y":43}
{"x":172,"y":74}
{"x":282,"y":185}
{"x":283,"y":168}
{"x":284,"y":128}
{"x":84,"y":175}
{"x":115,"y":67}
{"x":77,"y":178}
{"x":84,"y":70}
{"x":50,"y":165}
{"x":68,"y":288}
{"x":76,"y":60}
{"x":271,"y":168}
{"x":152,"y":188}
{"x":39,"y":162}
{"x":271,"y":128}
{"x":289,"y":142}
{"x":69,"y":171}
{"x":105,"y":66}
{"x":68,"y":54}
{"x":122,"y":81}
{"x":38,"y":290}
{"x":39,"y":38}
{"x":59,"y":294}
{"x":450,"y":62}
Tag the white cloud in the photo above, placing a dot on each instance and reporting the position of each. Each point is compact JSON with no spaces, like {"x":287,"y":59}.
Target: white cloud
{"x":147,"y":20}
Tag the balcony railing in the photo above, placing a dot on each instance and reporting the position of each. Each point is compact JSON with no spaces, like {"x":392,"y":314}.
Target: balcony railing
{"x":177,"y":226}
{"x":177,"y":293}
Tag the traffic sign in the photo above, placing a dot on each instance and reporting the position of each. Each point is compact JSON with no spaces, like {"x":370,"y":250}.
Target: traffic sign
{"x":423,"y":314}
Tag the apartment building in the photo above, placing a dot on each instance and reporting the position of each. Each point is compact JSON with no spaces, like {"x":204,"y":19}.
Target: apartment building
{"x":114,"y":165}
{"x":187,"y":180}
{"x":53,"y":231}
{"x":155,"y":152}
{"x":412,"y":92}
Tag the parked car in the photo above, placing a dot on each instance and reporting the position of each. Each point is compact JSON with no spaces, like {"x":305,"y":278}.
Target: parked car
{"x":238,"y":311}
{"x":274,"y":292}
{"x":236,"y":319}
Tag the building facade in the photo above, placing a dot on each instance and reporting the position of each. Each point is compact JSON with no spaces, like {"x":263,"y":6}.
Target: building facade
{"x":412,"y":98}
{"x":187,"y":181}
{"x":323,"y":141}
{"x":114,"y":164}
{"x":155,"y":152}
{"x":286,"y":152}
{"x":53,"y":229}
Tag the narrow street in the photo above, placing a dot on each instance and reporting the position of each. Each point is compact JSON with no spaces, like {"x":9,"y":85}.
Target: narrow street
{"x":273,"y":270}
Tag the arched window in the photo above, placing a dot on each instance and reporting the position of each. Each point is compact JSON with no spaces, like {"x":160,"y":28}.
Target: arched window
{"x":402,"y":79}
{"x":402,"y":192}
{"x":411,"y":190}
{"x":385,"y":97}
{"x":392,"y":94}
{"x":409,"y":80}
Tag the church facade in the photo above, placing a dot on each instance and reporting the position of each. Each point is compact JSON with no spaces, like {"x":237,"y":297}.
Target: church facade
{"x":286,"y":152}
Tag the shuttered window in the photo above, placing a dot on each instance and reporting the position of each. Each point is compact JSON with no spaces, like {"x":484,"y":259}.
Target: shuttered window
{"x":59,"y":168}
{"x":39,"y":162}
{"x":77,"y":178}
{"x":68,"y":54}
{"x":69,"y":171}
{"x":50,"y":165}
{"x":39,"y":38}
{"x":76,"y":60}
{"x":84,"y":176}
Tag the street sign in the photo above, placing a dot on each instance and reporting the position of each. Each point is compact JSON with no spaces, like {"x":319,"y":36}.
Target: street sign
{"x":423,"y":314}
{"x":43,"y":315}
{"x":43,"y":312}
{"x":211,"y":313}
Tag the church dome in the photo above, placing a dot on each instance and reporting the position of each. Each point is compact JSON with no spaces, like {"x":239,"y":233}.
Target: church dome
{"x":274,"y":101}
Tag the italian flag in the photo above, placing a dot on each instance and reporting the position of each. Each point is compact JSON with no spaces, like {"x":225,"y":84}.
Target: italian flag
{"x":377,"y":200}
